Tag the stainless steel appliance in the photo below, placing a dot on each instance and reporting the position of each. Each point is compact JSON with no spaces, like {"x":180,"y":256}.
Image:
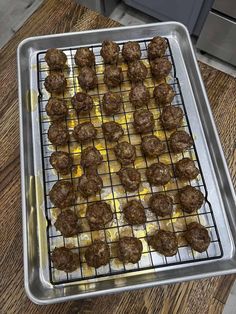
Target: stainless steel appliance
{"x":218,"y":35}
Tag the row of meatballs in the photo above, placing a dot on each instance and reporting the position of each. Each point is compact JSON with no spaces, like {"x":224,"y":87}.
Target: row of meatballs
{"x":99,"y":214}
{"x":113,"y":76}
{"x":90,"y":183}
{"x":129,"y":249}
{"x":112,"y":102}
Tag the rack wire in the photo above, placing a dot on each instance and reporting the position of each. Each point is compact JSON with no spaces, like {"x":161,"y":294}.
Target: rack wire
{"x":113,"y":192}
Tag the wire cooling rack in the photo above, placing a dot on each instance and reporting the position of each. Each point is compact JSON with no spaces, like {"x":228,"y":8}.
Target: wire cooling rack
{"x":113,"y":192}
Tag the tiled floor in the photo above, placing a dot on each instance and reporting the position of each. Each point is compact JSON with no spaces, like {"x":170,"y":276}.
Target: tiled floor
{"x":13,"y":13}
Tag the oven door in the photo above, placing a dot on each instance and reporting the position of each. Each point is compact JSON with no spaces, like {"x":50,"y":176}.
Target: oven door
{"x":218,"y":37}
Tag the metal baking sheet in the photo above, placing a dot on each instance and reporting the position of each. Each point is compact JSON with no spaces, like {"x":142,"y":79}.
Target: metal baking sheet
{"x":37,"y":177}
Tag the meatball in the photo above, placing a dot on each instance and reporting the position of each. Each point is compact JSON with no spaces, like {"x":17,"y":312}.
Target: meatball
{"x":98,"y":215}
{"x":67,"y":223}
{"x":137,"y":71}
{"x":157,"y":47}
{"x":82,"y":103}
{"x":90,"y":157}
{"x":161,"y":204}
{"x":163,"y":94}
{"x":180,"y":141}
{"x":62,"y":162}
{"x":152,"y":146}
{"x":58,"y":134}
{"x":134,"y":213}
{"x":87,"y":78}
{"x":62,"y":194}
{"x":56,"y":109}
{"x":158,"y":174}
{"x":139,"y":95}
{"x":56,"y":59}
{"x":110,"y":52}
{"x":113,"y":76}
{"x":164,"y":242}
{"x":190,"y":199}
{"x":111,"y":103}
{"x":97,"y":254}
{"x":186,"y":169}
{"x":171,"y":117}
{"x":112,"y":131}
{"x":125,"y":153}
{"x":55,"y":83}
{"x":131,"y":51}
{"x":160,"y":68}
{"x":130,"y":178}
{"x":143,"y":121}
{"x":197,"y":237}
{"x":90,"y":184}
{"x":64,"y":259}
{"x":84,"y":57}
{"x":84,"y":132}
{"x":129,"y":250}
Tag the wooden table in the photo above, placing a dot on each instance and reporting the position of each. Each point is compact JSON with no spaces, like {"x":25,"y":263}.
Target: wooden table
{"x":204,"y":296}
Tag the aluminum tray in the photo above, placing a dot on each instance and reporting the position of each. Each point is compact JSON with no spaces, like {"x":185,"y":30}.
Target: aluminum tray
{"x":38,"y":278}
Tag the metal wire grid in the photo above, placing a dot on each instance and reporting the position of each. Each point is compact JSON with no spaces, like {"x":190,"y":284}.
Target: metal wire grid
{"x":113,"y":191}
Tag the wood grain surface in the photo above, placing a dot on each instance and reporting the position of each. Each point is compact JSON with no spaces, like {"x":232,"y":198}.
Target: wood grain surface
{"x":204,"y":296}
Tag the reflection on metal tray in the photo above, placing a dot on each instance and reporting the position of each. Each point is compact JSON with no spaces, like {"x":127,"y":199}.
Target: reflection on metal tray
{"x":44,"y":284}
{"x":113,"y":192}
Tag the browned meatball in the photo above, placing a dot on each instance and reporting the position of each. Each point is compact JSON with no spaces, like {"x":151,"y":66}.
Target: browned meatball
{"x":130,"y":178}
{"x":164,"y":242}
{"x":171,"y":117}
{"x":161,"y":204}
{"x":186,"y":169}
{"x":157,"y":47}
{"x":98,"y":215}
{"x":56,"y":59}
{"x":152,"y":146}
{"x":110,"y":51}
{"x":143,"y":121}
{"x":111,"y":103}
{"x":62,"y":194}
{"x":180,"y":141}
{"x":131,"y":51}
{"x":90,"y":184}
{"x":137,"y":71}
{"x":158,"y":174}
{"x":113,"y":76}
{"x":82,"y":103}
{"x":190,"y":198}
{"x":134,"y":212}
{"x":129,"y":250}
{"x":56,"y":109}
{"x":112,"y":131}
{"x":61,"y":161}
{"x":84,"y":132}
{"x":90,"y":157}
{"x":97,"y":254}
{"x":163,"y":94}
{"x":125,"y":153}
{"x":67,"y":223}
{"x":84,"y":57}
{"x":197,"y":237}
{"x":87,"y":78}
{"x":139,"y":95}
{"x":58,"y":134}
{"x":160,"y":68}
{"x":55,"y":83}
{"x":64,"y":259}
